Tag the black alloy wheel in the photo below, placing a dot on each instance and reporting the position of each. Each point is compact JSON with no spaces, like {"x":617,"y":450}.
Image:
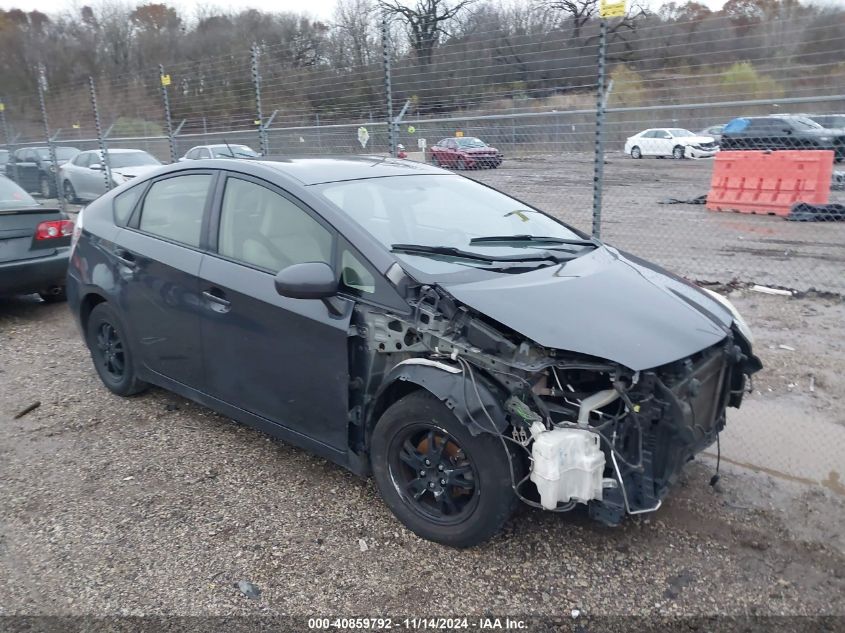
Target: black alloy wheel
{"x":433,"y":473}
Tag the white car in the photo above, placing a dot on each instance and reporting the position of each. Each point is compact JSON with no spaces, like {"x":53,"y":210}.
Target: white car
{"x":83,"y":178}
{"x":221,"y":150}
{"x":670,"y":141}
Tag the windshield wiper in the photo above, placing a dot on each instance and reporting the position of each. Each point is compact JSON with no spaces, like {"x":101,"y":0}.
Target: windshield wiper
{"x":529,"y":239}
{"x":451,"y":251}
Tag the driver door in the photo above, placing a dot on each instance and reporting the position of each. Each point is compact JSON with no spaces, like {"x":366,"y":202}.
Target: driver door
{"x":283,"y":360}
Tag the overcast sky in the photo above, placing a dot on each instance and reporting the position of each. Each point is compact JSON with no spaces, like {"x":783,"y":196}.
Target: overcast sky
{"x":318,"y":8}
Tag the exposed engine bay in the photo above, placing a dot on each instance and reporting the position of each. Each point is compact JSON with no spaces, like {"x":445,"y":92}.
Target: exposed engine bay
{"x":578,"y":429}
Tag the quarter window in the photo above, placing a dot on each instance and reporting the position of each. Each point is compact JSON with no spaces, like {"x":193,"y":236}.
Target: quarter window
{"x":173,"y":208}
{"x":124,"y":203}
{"x":355,"y":275}
{"x":264,"y":229}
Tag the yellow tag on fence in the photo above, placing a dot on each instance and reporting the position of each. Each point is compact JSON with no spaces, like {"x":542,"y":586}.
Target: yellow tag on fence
{"x":458,"y":133}
{"x":2,"y":107}
{"x":612,"y":9}
{"x":165,"y":80}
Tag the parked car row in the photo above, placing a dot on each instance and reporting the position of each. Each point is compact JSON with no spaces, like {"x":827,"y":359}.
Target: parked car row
{"x":774,"y":132}
{"x":783,"y":132}
{"x":83,"y":175}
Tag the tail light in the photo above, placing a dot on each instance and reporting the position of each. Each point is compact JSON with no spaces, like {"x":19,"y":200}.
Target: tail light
{"x":53,"y":229}
{"x":77,"y":231}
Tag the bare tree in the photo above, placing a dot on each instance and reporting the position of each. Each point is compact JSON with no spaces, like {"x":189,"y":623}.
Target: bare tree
{"x":425,"y":21}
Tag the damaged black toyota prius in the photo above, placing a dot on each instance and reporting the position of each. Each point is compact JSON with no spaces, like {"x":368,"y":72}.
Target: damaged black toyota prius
{"x":466,"y":349}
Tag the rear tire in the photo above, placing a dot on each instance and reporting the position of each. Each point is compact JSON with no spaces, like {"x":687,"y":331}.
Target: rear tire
{"x":636,"y":152}
{"x":110,"y":351}
{"x":461,"y":164}
{"x":435,"y":161}
{"x":417,"y":445}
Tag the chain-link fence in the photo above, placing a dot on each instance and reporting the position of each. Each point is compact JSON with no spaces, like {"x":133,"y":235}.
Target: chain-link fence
{"x":621,"y":129}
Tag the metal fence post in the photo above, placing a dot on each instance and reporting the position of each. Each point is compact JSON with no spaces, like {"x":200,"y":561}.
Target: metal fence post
{"x":256,"y":82}
{"x":388,"y":91}
{"x":54,"y":161}
{"x":104,"y":150}
{"x":598,"y":170}
{"x":8,"y":138}
{"x":165,"y":81}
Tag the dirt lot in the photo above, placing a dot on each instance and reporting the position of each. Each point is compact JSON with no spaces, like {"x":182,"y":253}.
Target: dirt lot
{"x":157,"y":505}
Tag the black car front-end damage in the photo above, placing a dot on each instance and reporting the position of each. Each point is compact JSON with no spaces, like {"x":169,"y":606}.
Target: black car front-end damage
{"x":581,"y":429}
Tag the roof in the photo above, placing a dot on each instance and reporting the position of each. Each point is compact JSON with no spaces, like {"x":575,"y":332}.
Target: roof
{"x":312,"y":171}
{"x":117,"y":150}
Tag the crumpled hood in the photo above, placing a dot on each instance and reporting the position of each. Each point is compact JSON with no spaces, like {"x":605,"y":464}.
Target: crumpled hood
{"x":605,"y":304}
{"x":697,"y":139}
{"x":137,"y":170}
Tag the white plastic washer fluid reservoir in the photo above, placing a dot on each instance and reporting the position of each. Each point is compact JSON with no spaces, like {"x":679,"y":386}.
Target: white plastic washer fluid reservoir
{"x":568,"y":465}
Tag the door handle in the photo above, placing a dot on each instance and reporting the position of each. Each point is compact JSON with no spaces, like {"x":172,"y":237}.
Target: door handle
{"x":125,"y":257}
{"x":218,"y":299}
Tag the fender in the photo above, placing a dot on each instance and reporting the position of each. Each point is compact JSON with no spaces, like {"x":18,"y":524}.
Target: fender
{"x":449,"y":384}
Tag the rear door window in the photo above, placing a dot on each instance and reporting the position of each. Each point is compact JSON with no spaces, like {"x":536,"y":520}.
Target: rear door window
{"x":173,"y":208}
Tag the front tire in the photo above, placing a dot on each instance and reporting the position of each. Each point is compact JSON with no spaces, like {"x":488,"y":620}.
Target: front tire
{"x":442,"y":482}
{"x":461,"y":164}
{"x":678,"y":153}
{"x":70,"y":192}
{"x":636,"y":152}
{"x":110,"y":351}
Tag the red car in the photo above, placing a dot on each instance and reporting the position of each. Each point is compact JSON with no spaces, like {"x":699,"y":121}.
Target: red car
{"x":465,"y":152}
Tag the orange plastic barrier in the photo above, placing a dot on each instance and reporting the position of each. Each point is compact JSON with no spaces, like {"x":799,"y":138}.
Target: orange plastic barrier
{"x":769,"y":182}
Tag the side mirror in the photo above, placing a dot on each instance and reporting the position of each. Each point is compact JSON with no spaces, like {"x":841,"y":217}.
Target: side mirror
{"x":311,"y":280}
{"x":96,"y":167}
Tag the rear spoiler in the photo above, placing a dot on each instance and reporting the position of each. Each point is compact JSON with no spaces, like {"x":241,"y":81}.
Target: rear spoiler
{"x":30,"y":210}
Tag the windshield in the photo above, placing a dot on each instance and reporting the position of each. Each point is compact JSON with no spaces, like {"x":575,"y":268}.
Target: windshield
{"x":677,"y":131}
{"x":445,"y":212}
{"x":830,"y":120}
{"x":62,"y":153}
{"x":805,"y":123}
{"x":223,"y":151}
{"x":13,"y":197}
{"x":469,"y":142}
{"x":131,"y":159}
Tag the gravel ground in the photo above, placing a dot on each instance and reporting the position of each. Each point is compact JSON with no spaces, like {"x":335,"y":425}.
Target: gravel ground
{"x":154,"y":505}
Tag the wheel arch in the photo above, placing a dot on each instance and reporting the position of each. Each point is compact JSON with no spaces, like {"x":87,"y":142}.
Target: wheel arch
{"x":448,"y":383}
{"x":87,"y":305}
